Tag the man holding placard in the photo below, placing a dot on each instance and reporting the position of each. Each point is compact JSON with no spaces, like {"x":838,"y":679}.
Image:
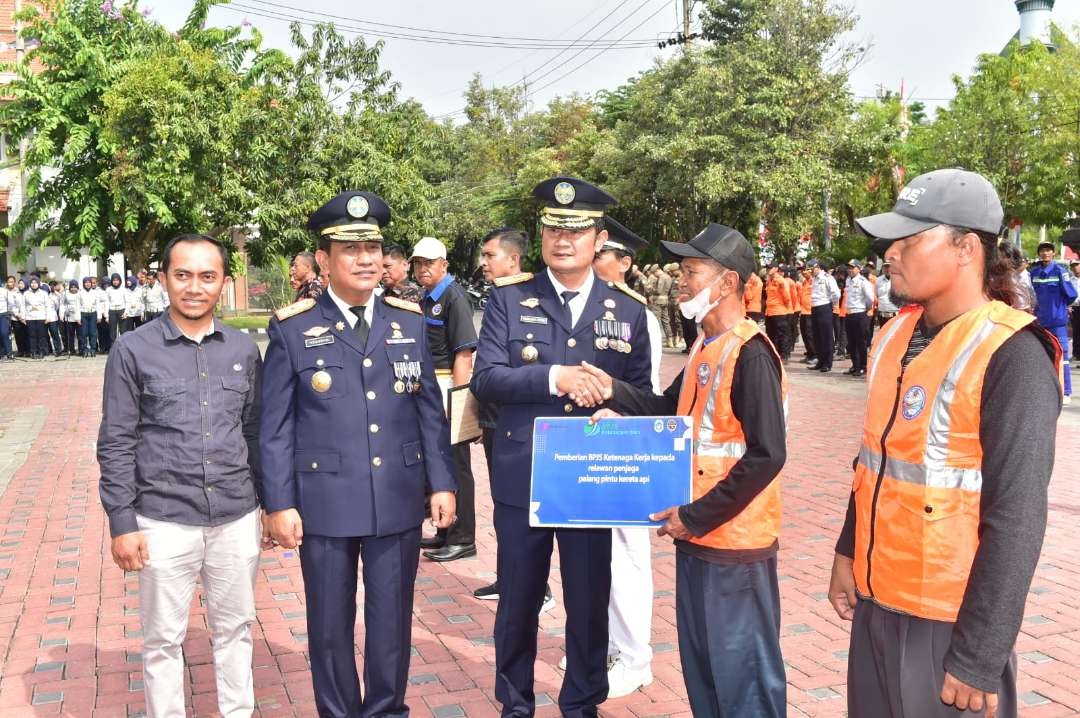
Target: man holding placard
{"x":734,"y":388}
{"x":536,"y":334}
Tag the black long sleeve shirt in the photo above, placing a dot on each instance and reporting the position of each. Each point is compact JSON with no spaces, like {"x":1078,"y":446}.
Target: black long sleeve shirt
{"x":757,"y":403}
{"x":1020,"y":404}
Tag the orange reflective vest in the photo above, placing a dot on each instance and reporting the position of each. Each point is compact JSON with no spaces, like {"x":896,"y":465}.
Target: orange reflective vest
{"x":777,"y":296}
{"x":805,"y":287}
{"x":793,"y":294}
{"x":918,"y":479}
{"x":719,"y":442}
{"x":752,"y":295}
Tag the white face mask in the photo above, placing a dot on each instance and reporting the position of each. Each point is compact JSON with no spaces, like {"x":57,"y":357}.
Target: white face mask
{"x":699,"y":306}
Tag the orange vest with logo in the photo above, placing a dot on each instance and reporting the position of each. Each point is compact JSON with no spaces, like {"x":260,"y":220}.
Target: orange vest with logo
{"x":805,"y":287}
{"x":918,"y":480}
{"x":777,"y":297}
{"x":752,"y":294}
{"x":719,"y":442}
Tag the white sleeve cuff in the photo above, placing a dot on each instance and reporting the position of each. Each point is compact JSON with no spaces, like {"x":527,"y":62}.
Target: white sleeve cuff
{"x":552,"y":387}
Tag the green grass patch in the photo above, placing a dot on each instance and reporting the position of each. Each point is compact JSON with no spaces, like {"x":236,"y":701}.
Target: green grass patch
{"x":257,"y":321}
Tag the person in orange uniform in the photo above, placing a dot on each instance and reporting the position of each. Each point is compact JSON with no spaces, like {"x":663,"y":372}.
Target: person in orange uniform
{"x":727,"y":602}
{"x":752,"y":297}
{"x":948,"y":507}
{"x":806,"y":322}
{"x":778,"y":310}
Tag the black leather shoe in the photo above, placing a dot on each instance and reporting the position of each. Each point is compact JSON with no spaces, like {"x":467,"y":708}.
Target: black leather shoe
{"x":432,"y":542}
{"x":487,"y":593}
{"x":823,"y":369}
{"x":451,"y":552}
{"x":851,"y":372}
{"x":861,"y":372}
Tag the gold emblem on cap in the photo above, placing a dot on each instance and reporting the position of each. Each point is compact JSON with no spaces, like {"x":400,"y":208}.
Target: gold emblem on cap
{"x":357,"y":207}
{"x":321,"y":381}
{"x":340,"y":326}
{"x":529,"y":353}
{"x":530,"y":303}
{"x":565,"y":193}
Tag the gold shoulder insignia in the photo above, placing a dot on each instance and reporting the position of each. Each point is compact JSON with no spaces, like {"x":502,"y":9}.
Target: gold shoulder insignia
{"x":293,"y":309}
{"x":622,"y":287}
{"x":513,"y":279}
{"x":402,"y":304}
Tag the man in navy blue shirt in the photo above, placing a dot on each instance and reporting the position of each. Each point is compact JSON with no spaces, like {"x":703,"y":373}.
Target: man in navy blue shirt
{"x":1054,"y":293}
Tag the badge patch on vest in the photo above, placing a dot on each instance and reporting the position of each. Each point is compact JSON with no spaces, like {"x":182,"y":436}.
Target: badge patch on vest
{"x":703,"y":372}
{"x":914,"y":402}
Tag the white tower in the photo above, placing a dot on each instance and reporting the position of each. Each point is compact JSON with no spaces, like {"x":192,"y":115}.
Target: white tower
{"x":1035,"y":20}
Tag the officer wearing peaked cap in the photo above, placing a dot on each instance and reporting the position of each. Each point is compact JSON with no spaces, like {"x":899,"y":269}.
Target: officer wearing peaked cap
{"x":536,"y":333}
{"x":352,"y":435}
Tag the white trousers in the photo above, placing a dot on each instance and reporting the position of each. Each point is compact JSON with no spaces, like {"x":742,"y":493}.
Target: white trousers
{"x":631,"y":601}
{"x":227,"y":559}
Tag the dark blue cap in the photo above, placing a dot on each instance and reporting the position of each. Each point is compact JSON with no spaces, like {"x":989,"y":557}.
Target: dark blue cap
{"x":571,"y":203}
{"x":351,"y":217}
{"x":622,"y":239}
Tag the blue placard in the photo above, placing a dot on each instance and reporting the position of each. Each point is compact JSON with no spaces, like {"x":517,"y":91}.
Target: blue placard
{"x":610,"y":474}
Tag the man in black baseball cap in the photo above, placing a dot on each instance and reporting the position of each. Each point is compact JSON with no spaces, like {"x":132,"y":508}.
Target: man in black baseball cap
{"x":948,"y":506}
{"x":727,"y":535}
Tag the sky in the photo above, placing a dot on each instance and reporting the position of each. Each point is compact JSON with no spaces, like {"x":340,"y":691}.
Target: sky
{"x":920,"y":42}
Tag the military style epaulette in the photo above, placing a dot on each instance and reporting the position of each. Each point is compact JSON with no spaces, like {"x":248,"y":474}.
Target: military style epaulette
{"x":402,"y":304}
{"x":513,"y":279}
{"x":622,"y":287}
{"x":295,"y":308}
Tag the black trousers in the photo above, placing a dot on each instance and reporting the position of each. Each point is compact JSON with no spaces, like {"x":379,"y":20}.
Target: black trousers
{"x":523,"y":566}
{"x":22,"y":338}
{"x":793,"y":332}
{"x":104,"y":341}
{"x":1074,"y":319}
{"x":116,"y":319}
{"x":329,"y":566}
{"x":463,"y":530}
{"x":840,"y":327}
{"x":856,"y":325}
{"x":777,"y":329}
{"x":53,"y":330}
{"x":806,"y":329}
{"x":71,"y":337}
{"x":39,"y":343}
{"x":728,"y":619}
{"x":822,"y":319}
{"x":896,"y":667}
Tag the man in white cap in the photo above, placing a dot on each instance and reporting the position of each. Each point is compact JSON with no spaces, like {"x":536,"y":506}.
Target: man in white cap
{"x":452,"y":340}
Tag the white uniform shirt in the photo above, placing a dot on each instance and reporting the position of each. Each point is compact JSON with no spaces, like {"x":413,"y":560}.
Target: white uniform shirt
{"x":88,"y":301}
{"x":52,"y":308}
{"x":102,"y":303}
{"x":69,"y":306}
{"x":117,"y":297}
{"x":7,"y":301}
{"x":134,"y":308}
{"x":576,"y":306}
{"x":35,"y":305}
{"x":860,"y":295}
{"x":823,"y":290}
{"x":884,"y":304}
{"x":154,"y":298}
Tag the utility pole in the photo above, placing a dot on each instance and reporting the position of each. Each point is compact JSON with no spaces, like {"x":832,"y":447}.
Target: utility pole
{"x":686,"y":21}
{"x":20,"y":52}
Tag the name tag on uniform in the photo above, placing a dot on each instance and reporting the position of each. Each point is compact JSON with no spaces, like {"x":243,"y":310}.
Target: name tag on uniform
{"x":318,"y":341}
{"x":401,"y":340}
{"x":528,"y":319}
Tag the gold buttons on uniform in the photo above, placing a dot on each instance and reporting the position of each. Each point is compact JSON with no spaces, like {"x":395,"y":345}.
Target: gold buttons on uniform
{"x":571,"y":342}
{"x":367,"y":362}
{"x":370,"y":395}
{"x":377,"y":461}
{"x":314,"y":465}
{"x":374,"y":428}
{"x":568,"y":408}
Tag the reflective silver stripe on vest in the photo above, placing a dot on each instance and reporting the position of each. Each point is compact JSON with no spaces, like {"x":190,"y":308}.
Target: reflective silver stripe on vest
{"x":706,"y":431}
{"x":720,"y":449}
{"x":944,"y":477}
{"x":886,"y":337}
{"x":937,"y":436}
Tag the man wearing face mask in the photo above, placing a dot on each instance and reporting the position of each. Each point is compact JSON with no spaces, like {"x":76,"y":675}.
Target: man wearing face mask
{"x":734,"y":387}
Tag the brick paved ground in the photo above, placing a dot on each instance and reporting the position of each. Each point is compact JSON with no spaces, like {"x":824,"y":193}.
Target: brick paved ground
{"x":69,"y":633}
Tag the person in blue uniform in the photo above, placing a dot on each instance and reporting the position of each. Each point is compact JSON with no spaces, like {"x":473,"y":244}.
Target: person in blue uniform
{"x":352,"y":436}
{"x":537,"y":332}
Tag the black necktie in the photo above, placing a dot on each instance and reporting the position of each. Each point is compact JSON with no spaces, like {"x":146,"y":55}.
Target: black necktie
{"x":361,"y":328}
{"x":566,"y":297}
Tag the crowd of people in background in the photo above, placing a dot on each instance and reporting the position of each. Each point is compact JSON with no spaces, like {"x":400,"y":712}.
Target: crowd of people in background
{"x":59,"y":319}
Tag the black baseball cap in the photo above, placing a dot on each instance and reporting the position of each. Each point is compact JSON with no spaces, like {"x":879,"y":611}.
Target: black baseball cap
{"x":954,"y":197}
{"x":1045,"y":245}
{"x":622,"y":239}
{"x":719,"y":243}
